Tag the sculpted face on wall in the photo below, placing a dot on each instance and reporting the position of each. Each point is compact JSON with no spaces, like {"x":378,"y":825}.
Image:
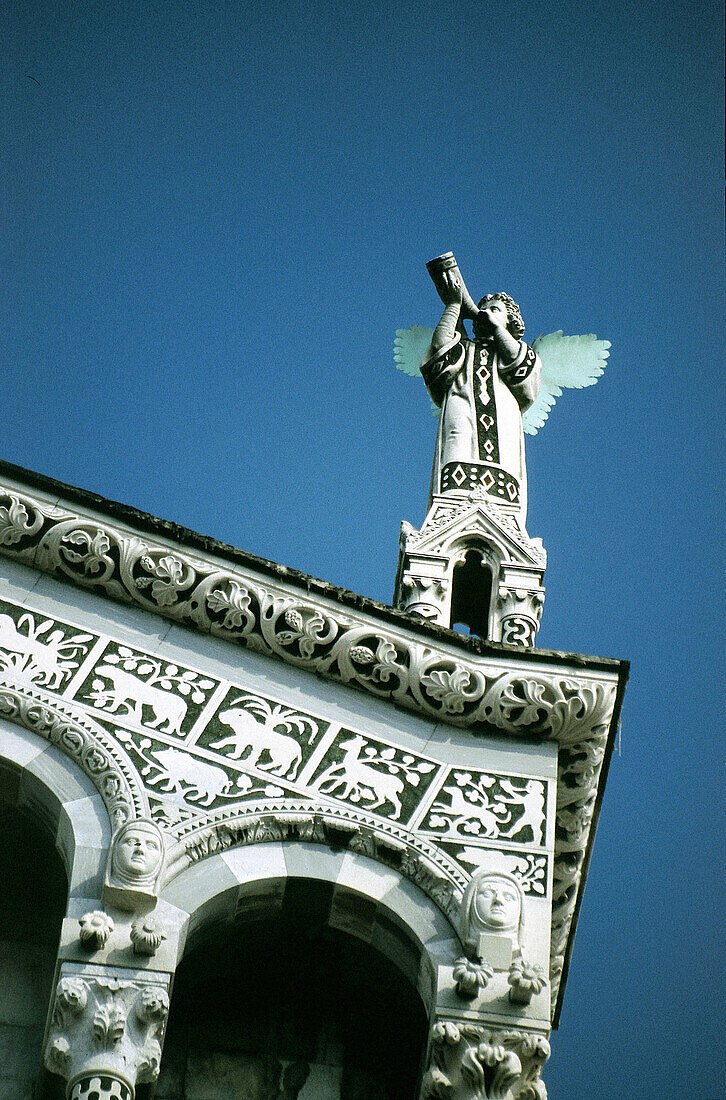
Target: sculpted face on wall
{"x":134,"y":865}
{"x":497,"y":903}
{"x":493,"y":904}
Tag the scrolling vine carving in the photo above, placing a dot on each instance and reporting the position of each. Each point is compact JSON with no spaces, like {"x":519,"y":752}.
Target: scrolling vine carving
{"x":351,"y":647}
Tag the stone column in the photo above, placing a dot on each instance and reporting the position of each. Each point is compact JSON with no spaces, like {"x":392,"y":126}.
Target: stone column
{"x":518,"y":609}
{"x":106,"y":1030}
{"x":425,"y":595}
{"x":470,"y":1061}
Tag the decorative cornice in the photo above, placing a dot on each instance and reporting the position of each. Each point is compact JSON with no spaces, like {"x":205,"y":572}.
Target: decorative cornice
{"x":48,"y":493}
{"x":525,"y":694}
{"x":404,"y":661}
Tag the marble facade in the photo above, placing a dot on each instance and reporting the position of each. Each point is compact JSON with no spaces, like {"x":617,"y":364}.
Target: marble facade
{"x":215,"y":744}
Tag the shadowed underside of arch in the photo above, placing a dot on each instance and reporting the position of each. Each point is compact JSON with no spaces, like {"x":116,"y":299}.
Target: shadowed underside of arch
{"x":280,"y":1002}
{"x":302,"y":968}
{"x":353,"y":894}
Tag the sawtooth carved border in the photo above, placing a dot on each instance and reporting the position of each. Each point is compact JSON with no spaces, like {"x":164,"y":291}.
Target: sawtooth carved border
{"x":336,"y":643}
{"x":338,"y":827}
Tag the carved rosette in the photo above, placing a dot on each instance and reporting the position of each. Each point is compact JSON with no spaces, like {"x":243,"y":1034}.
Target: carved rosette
{"x":470,"y":977}
{"x":95,"y":929}
{"x":525,"y":980}
{"x":310,"y":631}
{"x":108,"y":1026}
{"x":468,"y":1062}
{"x":147,"y":934}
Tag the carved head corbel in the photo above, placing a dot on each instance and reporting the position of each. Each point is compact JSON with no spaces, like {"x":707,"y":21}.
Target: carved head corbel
{"x":492,"y":918}
{"x":134,"y":866}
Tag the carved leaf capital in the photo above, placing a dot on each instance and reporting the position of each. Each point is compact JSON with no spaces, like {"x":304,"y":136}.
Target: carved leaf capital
{"x":104,"y":1021}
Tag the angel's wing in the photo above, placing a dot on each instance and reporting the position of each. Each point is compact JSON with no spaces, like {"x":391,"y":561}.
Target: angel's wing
{"x":409,"y":347}
{"x":567,"y":361}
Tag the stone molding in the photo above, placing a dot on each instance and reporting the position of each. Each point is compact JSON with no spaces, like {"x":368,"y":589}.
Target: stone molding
{"x":414,"y":857}
{"x":499,"y":694}
{"x":468,"y":1062}
{"x":99,"y":755}
{"x":448,"y":520}
{"x":107,"y":1021}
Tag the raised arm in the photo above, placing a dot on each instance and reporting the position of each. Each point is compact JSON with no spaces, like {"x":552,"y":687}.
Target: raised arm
{"x":445,"y":355}
{"x":446,"y":330}
{"x":495,"y":317}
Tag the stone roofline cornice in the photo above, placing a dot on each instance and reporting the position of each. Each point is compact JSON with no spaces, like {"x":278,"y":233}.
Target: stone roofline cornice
{"x":216,"y":552}
{"x":525,"y":693}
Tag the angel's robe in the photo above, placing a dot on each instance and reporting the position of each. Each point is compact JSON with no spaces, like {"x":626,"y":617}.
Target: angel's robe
{"x":480,"y":442}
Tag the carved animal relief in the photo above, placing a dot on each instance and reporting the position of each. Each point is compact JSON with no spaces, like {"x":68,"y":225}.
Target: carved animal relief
{"x":214,"y":762}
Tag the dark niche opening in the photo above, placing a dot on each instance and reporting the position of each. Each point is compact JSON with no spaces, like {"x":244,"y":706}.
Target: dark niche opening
{"x":287,"y":1008}
{"x":471,"y":592}
{"x":32,"y":905}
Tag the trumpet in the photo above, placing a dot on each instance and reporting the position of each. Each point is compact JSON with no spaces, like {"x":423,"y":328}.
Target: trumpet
{"x":446,"y":264}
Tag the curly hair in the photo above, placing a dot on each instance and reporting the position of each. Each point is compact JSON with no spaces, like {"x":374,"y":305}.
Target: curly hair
{"x":516,"y":324}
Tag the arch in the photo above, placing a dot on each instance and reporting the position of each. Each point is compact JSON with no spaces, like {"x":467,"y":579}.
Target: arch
{"x":472,"y":584}
{"x":92,"y":748}
{"x":475,"y":564}
{"x":41,"y":781}
{"x":32,"y":905}
{"x":364,"y":898}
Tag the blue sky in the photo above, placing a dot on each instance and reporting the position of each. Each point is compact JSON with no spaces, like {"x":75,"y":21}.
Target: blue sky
{"x":218,"y":214}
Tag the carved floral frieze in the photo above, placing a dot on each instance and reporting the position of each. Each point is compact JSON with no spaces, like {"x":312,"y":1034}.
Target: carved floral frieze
{"x":262,"y":614}
{"x":138,"y":707}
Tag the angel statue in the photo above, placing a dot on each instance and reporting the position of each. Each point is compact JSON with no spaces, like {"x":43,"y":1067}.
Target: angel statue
{"x":491,"y":387}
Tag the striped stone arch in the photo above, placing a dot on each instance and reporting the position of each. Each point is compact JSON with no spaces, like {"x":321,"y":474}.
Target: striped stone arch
{"x":88,"y":745}
{"x":40,"y":779}
{"x":366,"y":899}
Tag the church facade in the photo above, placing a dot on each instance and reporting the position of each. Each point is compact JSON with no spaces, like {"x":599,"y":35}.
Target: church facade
{"x":268,"y":839}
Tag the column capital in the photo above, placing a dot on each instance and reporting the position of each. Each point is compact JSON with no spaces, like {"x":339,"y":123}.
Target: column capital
{"x":107,"y":1023}
{"x":469,"y":1062}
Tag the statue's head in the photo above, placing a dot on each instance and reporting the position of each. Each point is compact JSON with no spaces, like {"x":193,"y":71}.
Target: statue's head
{"x":137,"y":854}
{"x":493,"y":902}
{"x":515,"y":324}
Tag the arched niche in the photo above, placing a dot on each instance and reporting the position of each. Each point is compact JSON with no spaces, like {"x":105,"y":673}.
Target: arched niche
{"x":54,"y":829}
{"x":46,"y":785}
{"x":473,"y":582}
{"x":34,"y":886}
{"x":307,"y":973}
